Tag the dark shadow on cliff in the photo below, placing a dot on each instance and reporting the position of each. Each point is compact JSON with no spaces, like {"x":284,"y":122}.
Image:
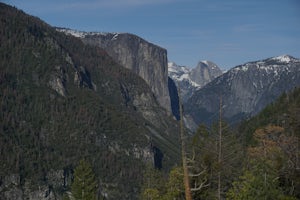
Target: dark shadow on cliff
{"x":174,"y":98}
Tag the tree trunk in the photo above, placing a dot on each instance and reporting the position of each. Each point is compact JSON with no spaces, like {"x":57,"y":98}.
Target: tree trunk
{"x":188,"y":195}
{"x":220,"y":150}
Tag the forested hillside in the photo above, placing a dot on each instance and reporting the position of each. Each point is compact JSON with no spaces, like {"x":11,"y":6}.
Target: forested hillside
{"x":62,"y":101}
{"x":284,"y":112}
{"x":272,"y":145}
{"x":260,"y":160}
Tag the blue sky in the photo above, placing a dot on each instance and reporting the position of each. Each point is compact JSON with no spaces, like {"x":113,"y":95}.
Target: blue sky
{"x":227,"y":32}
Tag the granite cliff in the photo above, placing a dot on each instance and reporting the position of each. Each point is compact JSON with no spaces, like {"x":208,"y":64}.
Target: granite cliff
{"x":147,"y":60}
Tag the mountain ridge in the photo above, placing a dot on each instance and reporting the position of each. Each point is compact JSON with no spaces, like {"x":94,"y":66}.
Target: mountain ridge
{"x":245,"y":89}
{"x":191,"y":79}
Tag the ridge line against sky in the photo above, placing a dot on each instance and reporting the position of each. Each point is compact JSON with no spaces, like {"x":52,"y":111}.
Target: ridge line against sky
{"x":229,"y":33}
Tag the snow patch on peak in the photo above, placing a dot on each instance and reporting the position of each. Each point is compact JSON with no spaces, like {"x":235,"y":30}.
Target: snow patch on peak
{"x":180,"y":74}
{"x":186,"y":77}
{"x":173,"y":67}
{"x":83,"y":34}
{"x":284,"y":58}
{"x":171,"y":64}
{"x":208,"y":64}
{"x":241,"y":68}
{"x":79,"y":34}
{"x":205,"y":62}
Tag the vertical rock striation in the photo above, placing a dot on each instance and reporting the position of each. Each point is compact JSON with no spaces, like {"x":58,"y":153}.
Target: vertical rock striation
{"x":147,"y":60}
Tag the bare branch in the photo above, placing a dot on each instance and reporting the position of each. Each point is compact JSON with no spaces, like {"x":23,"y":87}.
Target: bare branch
{"x":196,"y":175}
{"x":199,"y":187}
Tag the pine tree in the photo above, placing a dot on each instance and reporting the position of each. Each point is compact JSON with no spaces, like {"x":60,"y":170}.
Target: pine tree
{"x":207,"y":164}
{"x":84,"y":186}
{"x":270,"y":167}
{"x":175,"y":185}
{"x":153,"y":186}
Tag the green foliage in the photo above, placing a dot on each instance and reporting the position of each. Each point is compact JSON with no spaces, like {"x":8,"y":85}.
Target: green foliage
{"x":153,"y":186}
{"x":267,"y":164}
{"x":255,"y":186}
{"x":265,"y":168}
{"x":283,"y":112}
{"x":175,"y":187}
{"x":205,"y":153}
{"x":272,"y":142}
{"x":84,"y":186}
{"x":158,"y":187}
{"x":151,"y":194}
{"x":257,"y":183}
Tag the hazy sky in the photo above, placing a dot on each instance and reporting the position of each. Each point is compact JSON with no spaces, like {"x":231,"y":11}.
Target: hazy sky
{"x":227,"y":32}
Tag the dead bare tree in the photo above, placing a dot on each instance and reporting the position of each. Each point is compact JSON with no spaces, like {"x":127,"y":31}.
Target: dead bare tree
{"x":220,"y":149}
{"x":186,"y":180}
{"x":196,"y":173}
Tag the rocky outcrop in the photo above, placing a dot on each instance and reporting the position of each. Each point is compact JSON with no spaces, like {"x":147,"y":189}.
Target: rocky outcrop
{"x":11,"y":187}
{"x":57,"y":81}
{"x":147,"y":60}
{"x":245,"y":89}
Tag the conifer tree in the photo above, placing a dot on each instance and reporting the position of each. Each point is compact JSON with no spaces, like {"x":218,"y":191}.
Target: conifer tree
{"x":175,"y":186}
{"x":153,"y":184}
{"x":84,"y":186}
{"x":269,"y":168}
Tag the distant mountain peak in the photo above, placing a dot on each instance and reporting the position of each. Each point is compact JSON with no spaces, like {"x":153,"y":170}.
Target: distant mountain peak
{"x":177,"y":70}
{"x":269,"y":64}
{"x":192,"y":79}
{"x":207,"y":63}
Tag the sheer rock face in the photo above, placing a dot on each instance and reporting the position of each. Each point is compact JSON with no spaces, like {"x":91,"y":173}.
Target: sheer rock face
{"x":205,"y":72}
{"x":145,"y":59}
